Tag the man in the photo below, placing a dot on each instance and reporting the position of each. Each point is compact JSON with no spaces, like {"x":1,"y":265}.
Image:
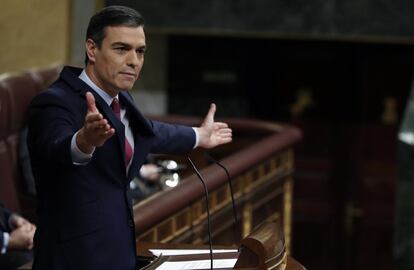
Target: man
{"x":16,"y":239}
{"x":84,"y":153}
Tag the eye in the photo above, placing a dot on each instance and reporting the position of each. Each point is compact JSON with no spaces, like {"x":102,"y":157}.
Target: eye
{"x":121,"y":49}
{"x":141,"y":51}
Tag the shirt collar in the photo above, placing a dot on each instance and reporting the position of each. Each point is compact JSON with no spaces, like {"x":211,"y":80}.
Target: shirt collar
{"x":104,"y":95}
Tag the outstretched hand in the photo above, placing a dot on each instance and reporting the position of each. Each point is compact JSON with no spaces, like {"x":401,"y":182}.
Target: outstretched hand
{"x":212,"y":134}
{"x":95,"y":130}
{"x":21,"y":237}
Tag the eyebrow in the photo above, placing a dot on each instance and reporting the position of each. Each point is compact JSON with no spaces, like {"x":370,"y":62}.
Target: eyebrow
{"x":126,"y":45}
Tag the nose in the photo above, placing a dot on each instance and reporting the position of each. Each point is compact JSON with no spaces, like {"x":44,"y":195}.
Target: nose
{"x":134,"y":59}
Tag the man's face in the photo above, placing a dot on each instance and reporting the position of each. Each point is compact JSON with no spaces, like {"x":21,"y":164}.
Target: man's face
{"x":116,"y":65}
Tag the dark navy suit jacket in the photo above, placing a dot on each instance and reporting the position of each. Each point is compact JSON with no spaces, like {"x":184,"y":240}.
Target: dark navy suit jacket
{"x":4,"y":223}
{"x":84,"y":212}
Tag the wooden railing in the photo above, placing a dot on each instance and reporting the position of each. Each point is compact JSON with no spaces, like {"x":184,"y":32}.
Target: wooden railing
{"x":260,"y":161}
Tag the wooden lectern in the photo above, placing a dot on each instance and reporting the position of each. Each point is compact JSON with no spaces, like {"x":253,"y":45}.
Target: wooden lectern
{"x":263,"y":249}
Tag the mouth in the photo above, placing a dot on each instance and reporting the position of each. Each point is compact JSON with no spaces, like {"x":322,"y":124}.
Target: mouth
{"x":129,"y":74}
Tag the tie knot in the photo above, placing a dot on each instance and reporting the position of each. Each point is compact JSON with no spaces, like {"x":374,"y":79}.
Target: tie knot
{"x":116,"y":107}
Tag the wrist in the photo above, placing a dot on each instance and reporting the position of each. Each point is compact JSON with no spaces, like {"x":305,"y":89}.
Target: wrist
{"x":83,"y":144}
{"x":202,"y":136}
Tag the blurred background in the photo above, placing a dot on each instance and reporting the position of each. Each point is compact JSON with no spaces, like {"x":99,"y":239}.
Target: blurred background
{"x":340,"y":70}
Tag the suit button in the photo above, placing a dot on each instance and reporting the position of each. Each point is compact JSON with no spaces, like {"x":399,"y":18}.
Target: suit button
{"x":130,"y":223}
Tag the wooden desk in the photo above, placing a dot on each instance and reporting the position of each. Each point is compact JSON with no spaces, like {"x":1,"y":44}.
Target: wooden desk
{"x":144,"y":247}
{"x":292,"y":264}
{"x":143,"y":250}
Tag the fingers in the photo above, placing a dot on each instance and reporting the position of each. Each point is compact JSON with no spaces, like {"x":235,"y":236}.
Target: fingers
{"x":209,"y":119}
{"x":222,"y":128}
{"x":224,"y":140}
{"x":100,"y":129}
{"x":98,"y":132}
{"x":212,"y":109}
{"x":95,"y":122}
{"x":90,"y":117}
{"x":224,"y":135}
{"x":29,"y":234}
{"x":150,"y":172}
{"x":108,"y":134}
{"x":22,"y":237}
{"x":30,"y":244}
{"x":219,"y":125}
{"x":25,"y":224}
{"x":18,"y":221}
{"x":90,"y":100}
{"x":225,"y":132}
{"x":96,"y":129}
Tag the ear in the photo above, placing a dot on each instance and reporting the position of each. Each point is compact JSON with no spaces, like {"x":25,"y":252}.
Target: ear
{"x":90,"y":48}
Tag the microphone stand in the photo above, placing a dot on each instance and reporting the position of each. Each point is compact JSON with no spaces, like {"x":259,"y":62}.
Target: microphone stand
{"x":208,"y":210}
{"x":236,"y":230}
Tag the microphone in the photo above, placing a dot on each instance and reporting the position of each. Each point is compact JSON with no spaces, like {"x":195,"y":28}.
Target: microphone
{"x":236,"y":229}
{"x":208,"y":209}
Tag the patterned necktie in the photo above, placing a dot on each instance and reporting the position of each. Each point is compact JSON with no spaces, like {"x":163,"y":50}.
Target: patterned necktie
{"x":128,"y":149}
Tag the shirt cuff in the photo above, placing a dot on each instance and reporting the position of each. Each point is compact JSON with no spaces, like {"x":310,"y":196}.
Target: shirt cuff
{"x":79,"y":157}
{"x":197,"y":138}
{"x":6,"y":238}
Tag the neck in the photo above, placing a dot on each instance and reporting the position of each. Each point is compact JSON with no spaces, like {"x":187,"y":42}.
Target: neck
{"x":90,"y":71}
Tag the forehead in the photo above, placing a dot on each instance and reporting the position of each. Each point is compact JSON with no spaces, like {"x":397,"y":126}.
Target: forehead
{"x":134,"y":36}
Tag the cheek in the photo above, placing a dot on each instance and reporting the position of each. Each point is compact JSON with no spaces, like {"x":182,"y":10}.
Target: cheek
{"x":141,"y":64}
{"x":105,"y":67}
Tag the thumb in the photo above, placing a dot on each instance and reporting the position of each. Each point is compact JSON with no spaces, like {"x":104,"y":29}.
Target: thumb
{"x":90,"y":100}
{"x":210,"y":115}
{"x":16,"y":220}
{"x":19,"y":222}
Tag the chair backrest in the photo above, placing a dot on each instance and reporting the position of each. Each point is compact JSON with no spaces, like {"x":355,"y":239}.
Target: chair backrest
{"x":16,"y":93}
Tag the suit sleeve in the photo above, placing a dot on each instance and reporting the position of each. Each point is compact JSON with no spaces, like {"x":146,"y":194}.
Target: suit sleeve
{"x":4,"y":223}
{"x":1,"y":240}
{"x":51,"y":127}
{"x":172,"y":139}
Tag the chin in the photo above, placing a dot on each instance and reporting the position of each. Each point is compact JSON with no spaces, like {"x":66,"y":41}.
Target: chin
{"x":125,"y":87}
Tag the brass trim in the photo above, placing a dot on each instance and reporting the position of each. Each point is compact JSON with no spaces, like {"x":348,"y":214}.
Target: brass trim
{"x":287,"y":209}
{"x":281,"y":265}
{"x":247,"y":219}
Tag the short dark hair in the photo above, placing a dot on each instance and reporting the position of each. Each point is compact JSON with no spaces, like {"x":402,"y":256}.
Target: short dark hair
{"x":111,"y":16}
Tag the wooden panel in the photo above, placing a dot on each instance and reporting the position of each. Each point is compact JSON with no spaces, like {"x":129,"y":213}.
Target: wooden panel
{"x":262,"y":189}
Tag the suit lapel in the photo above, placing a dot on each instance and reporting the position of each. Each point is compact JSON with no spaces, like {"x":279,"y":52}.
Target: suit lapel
{"x":141,"y":122}
{"x":141,"y":129}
